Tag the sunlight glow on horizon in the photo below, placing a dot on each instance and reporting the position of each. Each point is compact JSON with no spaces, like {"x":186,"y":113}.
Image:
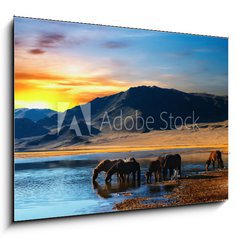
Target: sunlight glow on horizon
{"x":31,"y":105}
{"x":76,"y":63}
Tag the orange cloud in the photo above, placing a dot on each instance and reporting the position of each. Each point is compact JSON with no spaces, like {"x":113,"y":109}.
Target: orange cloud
{"x":45,"y":77}
{"x":36,"y":51}
{"x":62,"y":80}
{"x":43,"y":87}
{"x":38,"y":76}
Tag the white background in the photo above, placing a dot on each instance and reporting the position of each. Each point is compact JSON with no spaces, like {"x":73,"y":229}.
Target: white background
{"x":199,"y":222}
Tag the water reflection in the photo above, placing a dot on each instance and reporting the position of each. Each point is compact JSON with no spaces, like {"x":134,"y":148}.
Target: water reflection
{"x":107,"y":189}
{"x":61,"y":188}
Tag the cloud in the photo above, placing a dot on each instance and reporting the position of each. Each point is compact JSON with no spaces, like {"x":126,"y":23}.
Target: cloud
{"x":180,"y":54}
{"x":115,"y":44}
{"x":38,"y":76}
{"x":189,"y":52}
{"x":36,"y":51}
{"x":51,"y":40}
{"x":48,"y":41}
{"x":76,"y":90}
{"x":117,"y":63}
{"x":71,"y":85}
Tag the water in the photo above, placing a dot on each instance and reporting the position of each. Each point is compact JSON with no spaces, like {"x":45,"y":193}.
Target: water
{"x":57,"y":187}
{"x":55,"y":192}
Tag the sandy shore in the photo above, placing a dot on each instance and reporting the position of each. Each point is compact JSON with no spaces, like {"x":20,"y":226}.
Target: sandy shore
{"x":112,"y":149}
{"x":200,"y":188}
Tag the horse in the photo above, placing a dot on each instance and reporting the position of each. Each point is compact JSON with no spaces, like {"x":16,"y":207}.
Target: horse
{"x":155,"y":167}
{"x":131,"y":159}
{"x":104,"y":166}
{"x":215,"y":156}
{"x":170,"y":162}
{"x":124,"y":168}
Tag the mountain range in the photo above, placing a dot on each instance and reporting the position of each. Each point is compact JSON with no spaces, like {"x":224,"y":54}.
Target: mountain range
{"x":33,"y":114}
{"x":136,"y":102}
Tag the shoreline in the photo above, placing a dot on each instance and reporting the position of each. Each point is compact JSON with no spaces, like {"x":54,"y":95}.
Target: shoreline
{"x":114,"y":149}
{"x":195,"y":189}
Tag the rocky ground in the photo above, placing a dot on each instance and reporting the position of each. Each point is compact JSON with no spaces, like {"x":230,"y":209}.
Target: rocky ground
{"x":200,"y":188}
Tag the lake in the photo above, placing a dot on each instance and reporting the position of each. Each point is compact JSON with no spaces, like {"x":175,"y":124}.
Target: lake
{"x":62,"y":186}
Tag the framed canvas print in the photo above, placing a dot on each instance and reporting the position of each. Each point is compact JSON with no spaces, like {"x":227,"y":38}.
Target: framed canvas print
{"x":111,"y":119}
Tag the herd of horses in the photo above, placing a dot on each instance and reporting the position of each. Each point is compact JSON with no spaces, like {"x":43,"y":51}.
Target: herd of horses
{"x":165,"y":167}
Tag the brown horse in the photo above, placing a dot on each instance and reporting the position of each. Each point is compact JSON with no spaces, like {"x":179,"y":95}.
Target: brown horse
{"x":170,"y":162}
{"x":155,"y":167}
{"x":123,"y":169}
{"x":104,"y":166}
{"x":131,"y":159}
{"x":215,"y":156}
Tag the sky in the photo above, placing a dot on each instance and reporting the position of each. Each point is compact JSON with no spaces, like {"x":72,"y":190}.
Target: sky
{"x":59,"y":65}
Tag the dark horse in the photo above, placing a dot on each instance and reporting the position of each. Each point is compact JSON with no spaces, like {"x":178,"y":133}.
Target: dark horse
{"x":170,"y":162}
{"x":123,"y":169}
{"x":104,"y":166}
{"x":215,"y":156}
{"x":155,"y":167}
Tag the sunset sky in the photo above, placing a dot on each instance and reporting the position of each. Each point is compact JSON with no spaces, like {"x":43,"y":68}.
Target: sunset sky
{"x":58,"y":62}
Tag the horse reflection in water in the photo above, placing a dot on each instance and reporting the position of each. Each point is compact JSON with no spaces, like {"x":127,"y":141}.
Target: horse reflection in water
{"x":105,"y":190}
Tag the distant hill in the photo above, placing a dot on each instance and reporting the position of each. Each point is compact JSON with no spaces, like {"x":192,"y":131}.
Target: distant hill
{"x":33,"y":114}
{"x":24,"y":127}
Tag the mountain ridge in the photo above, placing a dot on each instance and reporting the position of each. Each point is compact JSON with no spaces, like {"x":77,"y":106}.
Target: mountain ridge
{"x":34,"y":114}
{"x":149,"y":101}
{"x":141,"y":101}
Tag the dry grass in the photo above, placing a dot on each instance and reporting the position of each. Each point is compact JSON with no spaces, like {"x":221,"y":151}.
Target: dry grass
{"x":204,"y":138}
